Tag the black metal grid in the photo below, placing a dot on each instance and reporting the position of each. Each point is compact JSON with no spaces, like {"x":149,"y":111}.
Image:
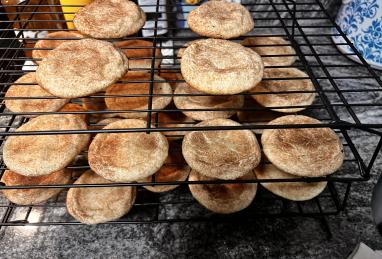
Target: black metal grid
{"x":332,"y":107}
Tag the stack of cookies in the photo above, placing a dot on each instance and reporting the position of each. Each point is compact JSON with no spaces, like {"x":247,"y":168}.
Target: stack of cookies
{"x":86,"y":75}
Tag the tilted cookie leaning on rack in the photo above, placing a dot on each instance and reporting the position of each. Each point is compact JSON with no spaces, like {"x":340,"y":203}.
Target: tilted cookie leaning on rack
{"x":284,"y":54}
{"x":295,"y":191}
{"x":273,"y":90}
{"x":35,"y":155}
{"x":34,"y":196}
{"x":99,"y":205}
{"x":223,"y":198}
{"x":26,"y":88}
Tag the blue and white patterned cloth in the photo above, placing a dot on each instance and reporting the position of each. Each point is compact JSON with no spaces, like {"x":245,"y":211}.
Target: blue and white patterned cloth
{"x":361,"y":21}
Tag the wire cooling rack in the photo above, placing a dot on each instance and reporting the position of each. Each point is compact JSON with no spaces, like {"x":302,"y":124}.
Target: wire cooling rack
{"x":316,"y":54}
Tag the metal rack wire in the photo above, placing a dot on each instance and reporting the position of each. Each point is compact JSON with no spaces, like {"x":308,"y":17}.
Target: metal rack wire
{"x":283,"y":18}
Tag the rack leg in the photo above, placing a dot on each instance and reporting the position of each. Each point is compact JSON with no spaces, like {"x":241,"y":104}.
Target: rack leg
{"x":323,"y":220}
{"x":326,"y":227}
{"x":7,"y":215}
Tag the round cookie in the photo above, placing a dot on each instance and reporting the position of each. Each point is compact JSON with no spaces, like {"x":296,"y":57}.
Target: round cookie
{"x":82,"y":67}
{"x":220,"y":19}
{"x":222,"y":154}
{"x":206,"y":103}
{"x":278,"y":84}
{"x":221,"y":67}
{"x":139,"y":53}
{"x":41,"y":47}
{"x":265,"y":46}
{"x":223,"y":198}
{"x":31,"y":105}
{"x":109,"y":19}
{"x":101,"y":204}
{"x":132,"y":103}
{"x":174,"y":169}
{"x":295,"y":191}
{"x":307,"y":152}
{"x":34,"y":196}
{"x":121,"y":157}
{"x":36,"y":155}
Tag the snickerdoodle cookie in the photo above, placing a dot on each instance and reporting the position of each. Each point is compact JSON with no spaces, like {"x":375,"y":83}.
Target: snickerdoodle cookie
{"x":35,"y":155}
{"x":109,"y":19}
{"x":129,"y":156}
{"x":222,"y":154}
{"x":277,"y":82}
{"x":220,"y":19}
{"x":82,"y":67}
{"x":308,"y":152}
{"x":223,"y":198}
{"x":36,"y":98}
{"x":221,"y":67}
{"x":99,"y":205}
{"x":284,"y":54}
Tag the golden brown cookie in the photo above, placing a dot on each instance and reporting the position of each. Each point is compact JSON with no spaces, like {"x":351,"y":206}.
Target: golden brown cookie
{"x":309,"y":152}
{"x":51,"y":41}
{"x":36,"y":155}
{"x":109,"y":19}
{"x":221,"y":67}
{"x":222,"y":154}
{"x":139,"y":53}
{"x":220,"y":19}
{"x":34,"y":90}
{"x":82,"y":67}
{"x":121,"y":157}
{"x":295,"y":191}
{"x":278,"y":83}
{"x":136,"y":85}
{"x":174,"y":169}
{"x":100,"y":204}
{"x":265,"y":46}
{"x":223,"y":198}
{"x":208,"y":103}
{"x":34,"y":196}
